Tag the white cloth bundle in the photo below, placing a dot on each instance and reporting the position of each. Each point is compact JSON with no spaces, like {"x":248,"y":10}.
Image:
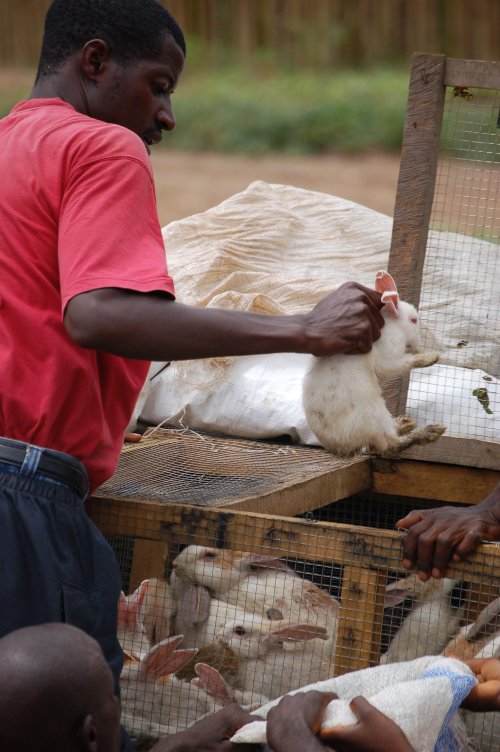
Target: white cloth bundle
{"x":421,"y":696}
{"x":276,"y":248}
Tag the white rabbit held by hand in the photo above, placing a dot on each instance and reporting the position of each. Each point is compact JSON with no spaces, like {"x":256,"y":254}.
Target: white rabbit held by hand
{"x":342,"y":396}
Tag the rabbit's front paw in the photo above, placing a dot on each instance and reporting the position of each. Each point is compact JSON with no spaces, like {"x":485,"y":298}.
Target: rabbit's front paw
{"x":425,"y":359}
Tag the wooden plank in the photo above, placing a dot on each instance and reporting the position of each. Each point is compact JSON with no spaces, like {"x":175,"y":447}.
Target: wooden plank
{"x":416,"y":188}
{"x":457,"y":450}
{"x":148,"y":560}
{"x":360,"y":623}
{"x":262,"y":477}
{"x":308,"y":540}
{"x":425,"y":480}
{"x":474,"y":73}
{"x":315,"y":492}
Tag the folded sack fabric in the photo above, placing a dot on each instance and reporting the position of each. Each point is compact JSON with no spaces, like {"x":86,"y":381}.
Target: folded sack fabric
{"x":421,"y":696}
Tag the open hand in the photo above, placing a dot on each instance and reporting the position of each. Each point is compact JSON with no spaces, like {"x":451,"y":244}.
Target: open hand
{"x":436,"y":536}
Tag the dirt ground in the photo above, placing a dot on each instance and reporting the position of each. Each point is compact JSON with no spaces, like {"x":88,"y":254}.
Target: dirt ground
{"x":190,"y":183}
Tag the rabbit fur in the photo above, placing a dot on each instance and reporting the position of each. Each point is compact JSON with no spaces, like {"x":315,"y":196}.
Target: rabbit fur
{"x":430,"y":624}
{"x":342,"y":394}
{"x":480,"y":638}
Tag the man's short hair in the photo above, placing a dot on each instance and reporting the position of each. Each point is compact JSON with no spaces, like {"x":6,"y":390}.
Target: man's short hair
{"x":133,"y":30}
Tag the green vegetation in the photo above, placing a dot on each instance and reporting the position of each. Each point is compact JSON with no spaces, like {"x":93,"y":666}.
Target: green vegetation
{"x":305,"y":112}
{"x":256,"y":108}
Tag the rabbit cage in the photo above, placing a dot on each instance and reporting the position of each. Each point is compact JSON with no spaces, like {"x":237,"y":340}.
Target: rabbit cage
{"x":278,"y":564}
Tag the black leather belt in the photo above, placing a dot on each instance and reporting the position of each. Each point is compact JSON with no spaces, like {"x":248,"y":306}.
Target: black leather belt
{"x":56,"y":465}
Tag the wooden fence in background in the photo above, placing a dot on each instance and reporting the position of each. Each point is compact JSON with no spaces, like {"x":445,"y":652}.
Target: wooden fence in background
{"x":305,"y":32}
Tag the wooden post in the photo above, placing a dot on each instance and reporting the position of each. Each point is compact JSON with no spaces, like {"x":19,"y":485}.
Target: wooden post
{"x":148,"y":560}
{"x":360,"y":626}
{"x":415,"y":189}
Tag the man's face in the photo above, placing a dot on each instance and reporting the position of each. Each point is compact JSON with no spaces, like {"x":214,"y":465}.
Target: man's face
{"x":138,"y":95}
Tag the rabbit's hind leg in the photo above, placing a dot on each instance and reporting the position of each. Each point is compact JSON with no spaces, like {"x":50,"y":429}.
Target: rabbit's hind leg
{"x":423,"y":435}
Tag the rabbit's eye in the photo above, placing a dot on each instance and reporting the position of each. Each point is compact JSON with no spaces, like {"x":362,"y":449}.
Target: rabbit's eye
{"x":240,"y":631}
{"x":414,"y":320}
{"x":209,"y":555}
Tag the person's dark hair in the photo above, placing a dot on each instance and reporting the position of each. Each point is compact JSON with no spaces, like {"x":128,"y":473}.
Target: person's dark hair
{"x":133,"y":30}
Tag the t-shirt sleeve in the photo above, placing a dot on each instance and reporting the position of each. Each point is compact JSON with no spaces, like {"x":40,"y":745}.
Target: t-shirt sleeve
{"x":109,"y":233}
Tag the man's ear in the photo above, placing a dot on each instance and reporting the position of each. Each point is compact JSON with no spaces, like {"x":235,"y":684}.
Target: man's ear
{"x":87,"y":734}
{"x":94,"y":58}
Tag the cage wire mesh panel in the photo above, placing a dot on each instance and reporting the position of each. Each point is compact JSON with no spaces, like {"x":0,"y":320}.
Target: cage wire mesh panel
{"x":371,"y":509}
{"x":273,"y":603}
{"x":194,"y":468}
{"x":462,"y":272}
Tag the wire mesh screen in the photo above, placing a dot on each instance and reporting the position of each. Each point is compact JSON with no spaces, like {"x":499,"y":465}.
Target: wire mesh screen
{"x":227,"y":605}
{"x":371,"y":510}
{"x":461,"y":277}
{"x":194,"y":468}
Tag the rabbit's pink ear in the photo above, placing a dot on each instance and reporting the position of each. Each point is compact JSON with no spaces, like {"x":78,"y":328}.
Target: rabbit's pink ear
{"x":385,"y":284}
{"x":298,"y":633}
{"x":266,"y":561}
{"x":394,"y":597}
{"x":164,"y":660}
{"x":129,"y":609}
{"x":212,"y":682}
{"x":391,"y":304}
{"x":194,"y":605}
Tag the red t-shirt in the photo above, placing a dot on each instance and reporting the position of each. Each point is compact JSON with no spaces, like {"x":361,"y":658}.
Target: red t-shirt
{"x":77,"y":213}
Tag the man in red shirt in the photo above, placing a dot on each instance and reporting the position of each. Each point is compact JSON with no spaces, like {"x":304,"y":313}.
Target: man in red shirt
{"x":86,"y":301}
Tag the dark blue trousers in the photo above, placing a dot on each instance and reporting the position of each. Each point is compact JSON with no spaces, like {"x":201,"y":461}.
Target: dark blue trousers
{"x":55,"y":564}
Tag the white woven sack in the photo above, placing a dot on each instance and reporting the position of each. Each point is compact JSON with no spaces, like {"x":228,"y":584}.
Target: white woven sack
{"x":444,"y":394}
{"x":421,"y":696}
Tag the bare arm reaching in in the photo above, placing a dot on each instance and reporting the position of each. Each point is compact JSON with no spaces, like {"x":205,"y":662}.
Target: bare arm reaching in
{"x":151,"y":326}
